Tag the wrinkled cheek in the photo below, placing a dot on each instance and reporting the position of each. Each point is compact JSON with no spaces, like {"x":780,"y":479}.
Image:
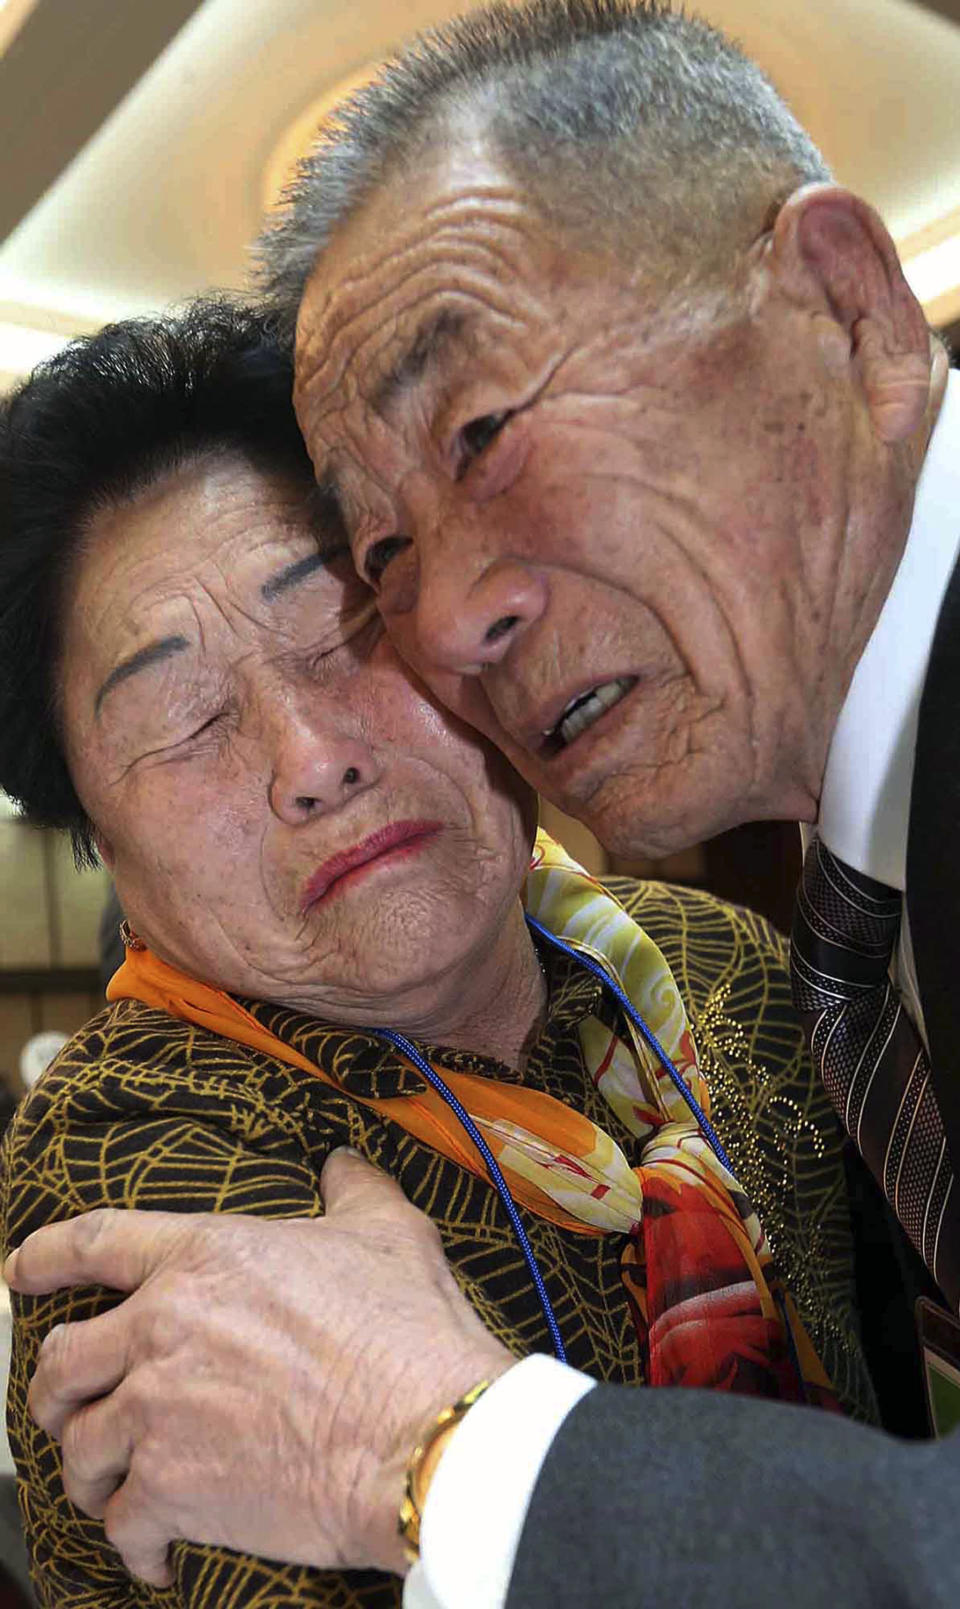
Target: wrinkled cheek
{"x":401,"y":628}
{"x":203,"y":854}
{"x":460,"y":695}
{"x":464,"y":697}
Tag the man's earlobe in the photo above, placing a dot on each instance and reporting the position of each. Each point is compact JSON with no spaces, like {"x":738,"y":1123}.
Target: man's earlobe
{"x":830,"y":247}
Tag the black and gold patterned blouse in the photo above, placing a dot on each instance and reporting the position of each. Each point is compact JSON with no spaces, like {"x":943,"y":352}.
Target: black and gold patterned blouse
{"x":141,"y":1110}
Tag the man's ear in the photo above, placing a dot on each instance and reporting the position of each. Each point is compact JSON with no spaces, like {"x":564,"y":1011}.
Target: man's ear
{"x":830,"y":248}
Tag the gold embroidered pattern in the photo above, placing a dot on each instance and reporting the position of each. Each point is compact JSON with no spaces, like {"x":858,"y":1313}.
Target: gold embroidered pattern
{"x":140,"y":1110}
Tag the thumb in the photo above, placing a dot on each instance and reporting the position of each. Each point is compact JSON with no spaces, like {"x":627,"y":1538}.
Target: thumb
{"x":349,"y":1184}
{"x":119,"y":1249}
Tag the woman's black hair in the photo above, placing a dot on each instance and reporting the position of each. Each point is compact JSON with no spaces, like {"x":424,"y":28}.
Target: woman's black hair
{"x":102,"y":420}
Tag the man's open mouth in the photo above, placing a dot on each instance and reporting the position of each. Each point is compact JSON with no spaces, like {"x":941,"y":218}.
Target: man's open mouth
{"x":584,"y":710}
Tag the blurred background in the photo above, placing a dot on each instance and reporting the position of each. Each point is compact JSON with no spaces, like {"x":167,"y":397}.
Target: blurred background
{"x":143,"y":140}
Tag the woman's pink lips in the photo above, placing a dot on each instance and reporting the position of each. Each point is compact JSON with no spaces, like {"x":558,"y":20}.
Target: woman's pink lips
{"x":401,"y":837}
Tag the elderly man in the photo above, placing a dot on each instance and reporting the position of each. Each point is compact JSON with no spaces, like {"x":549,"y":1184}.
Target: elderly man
{"x":624,"y":408}
{"x":628,"y":446}
{"x":634,"y":424}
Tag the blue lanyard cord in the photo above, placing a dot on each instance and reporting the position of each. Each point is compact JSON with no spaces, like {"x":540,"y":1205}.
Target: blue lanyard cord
{"x":410,"y":1051}
{"x":627,"y":1006}
{"x":499,"y":1182}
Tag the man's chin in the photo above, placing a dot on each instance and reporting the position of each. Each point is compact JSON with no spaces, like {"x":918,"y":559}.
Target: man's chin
{"x":628,"y":830}
{"x":627,"y":841}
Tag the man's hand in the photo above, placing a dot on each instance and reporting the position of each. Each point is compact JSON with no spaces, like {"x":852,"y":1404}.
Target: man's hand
{"x":265,"y":1384}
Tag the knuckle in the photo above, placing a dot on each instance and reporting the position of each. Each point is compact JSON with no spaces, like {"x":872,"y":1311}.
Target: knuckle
{"x":56,"y":1352}
{"x":91,"y":1229}
{"x":140,"y":1394}
{"x":159,"y":1477}
{"x":149,"y":1408}
{"x":157,"y":1323}
{"x":78,"y":1462}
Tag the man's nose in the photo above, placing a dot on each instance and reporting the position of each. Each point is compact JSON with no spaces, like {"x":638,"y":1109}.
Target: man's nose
{"x":317,"y":767}
{"x":465,"y":623}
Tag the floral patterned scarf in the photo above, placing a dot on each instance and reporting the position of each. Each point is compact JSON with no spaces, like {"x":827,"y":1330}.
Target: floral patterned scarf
{"x":698,"y":1271}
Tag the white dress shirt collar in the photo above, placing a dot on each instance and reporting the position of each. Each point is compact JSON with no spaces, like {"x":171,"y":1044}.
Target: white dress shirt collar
{"x":865,"y":804}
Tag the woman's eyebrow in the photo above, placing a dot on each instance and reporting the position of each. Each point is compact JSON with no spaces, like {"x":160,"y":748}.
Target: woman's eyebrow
{"x":291,"y":576}
{"x":152,"y":654}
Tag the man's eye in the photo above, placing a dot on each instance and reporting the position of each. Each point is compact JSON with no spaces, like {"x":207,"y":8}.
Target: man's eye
{"x":479,"y":433}
{"x":379,"y":554}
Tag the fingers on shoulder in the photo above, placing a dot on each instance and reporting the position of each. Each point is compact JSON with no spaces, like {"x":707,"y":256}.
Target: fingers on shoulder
{"x":140,"y":1539}
{"x":110,"y":1246}
{"x":67,"y":1253}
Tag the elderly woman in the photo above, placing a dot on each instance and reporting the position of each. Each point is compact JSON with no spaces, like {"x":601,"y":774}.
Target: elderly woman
{"x":342,"y":930}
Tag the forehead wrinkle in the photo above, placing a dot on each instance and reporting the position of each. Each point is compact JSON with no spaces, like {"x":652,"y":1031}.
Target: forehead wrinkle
{"x":325,"y":345}
{"x":364,"y":369}
{"x":353,"y":276}
{"x":137,"y":612}
{"x":355,"y":445}
{"x":350,"y":300}
{"x":498,"y":197}
{"x":217,"y":587}
{"x":341,"y":353}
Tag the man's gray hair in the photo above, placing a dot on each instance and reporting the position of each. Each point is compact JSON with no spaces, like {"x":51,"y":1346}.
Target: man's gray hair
{"x":639,"y":128}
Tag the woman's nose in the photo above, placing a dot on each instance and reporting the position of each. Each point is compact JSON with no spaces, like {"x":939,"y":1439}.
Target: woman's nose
{"x":465,"y":623}
{"x":317,"y":770}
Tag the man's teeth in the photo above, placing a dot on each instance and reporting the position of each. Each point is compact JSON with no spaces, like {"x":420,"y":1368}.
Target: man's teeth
{"x":586,"y":708}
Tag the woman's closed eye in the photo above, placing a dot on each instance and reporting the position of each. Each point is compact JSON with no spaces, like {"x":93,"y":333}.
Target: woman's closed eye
{"x":151,"y":747}
{"x":205,"y":726}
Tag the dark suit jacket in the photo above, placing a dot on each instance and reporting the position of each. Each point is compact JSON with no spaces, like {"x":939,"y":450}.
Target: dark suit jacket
{"x":686,"y":1498}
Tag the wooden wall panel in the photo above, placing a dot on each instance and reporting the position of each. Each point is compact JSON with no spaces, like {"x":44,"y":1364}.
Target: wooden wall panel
{"x":24,"y":925}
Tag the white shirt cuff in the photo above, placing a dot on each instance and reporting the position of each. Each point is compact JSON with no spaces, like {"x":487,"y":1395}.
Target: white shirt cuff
{"x":480,"y":1493}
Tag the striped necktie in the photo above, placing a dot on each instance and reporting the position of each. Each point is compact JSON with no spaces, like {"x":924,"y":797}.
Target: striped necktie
{"x":869,"y":1054}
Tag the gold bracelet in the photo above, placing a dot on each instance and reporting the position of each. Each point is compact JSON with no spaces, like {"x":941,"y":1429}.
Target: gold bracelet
{"x":421,"y":1467}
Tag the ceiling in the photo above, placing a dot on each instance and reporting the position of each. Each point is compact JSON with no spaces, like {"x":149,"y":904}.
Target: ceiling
{"x":141,"y":139}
